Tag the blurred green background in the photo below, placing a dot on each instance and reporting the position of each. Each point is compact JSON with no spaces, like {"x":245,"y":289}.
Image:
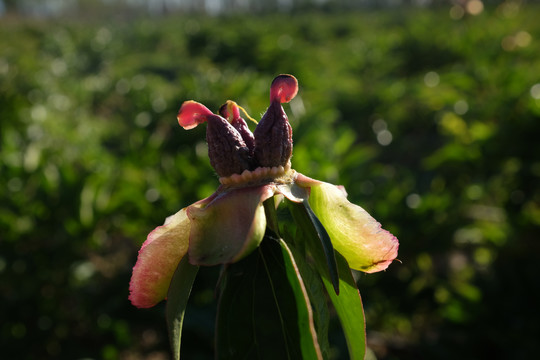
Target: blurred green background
{"x":429,"y":116}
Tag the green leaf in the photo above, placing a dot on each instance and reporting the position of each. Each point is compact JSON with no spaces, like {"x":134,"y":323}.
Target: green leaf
{"x":308,"y":334}
{"x":317,"y":295}
{"x":319,"y":242}
{"x":348,"y":305}
{"x":264,"y":311}
{"x":177,"y":297}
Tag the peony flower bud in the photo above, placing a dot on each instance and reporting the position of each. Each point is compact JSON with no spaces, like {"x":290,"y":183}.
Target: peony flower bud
{"x":227,"y":150}
{"x":273,"y":134}
{"x":231,"y":112}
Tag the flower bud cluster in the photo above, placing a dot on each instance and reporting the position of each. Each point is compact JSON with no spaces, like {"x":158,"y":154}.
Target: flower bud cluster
{"x":232,"y":148}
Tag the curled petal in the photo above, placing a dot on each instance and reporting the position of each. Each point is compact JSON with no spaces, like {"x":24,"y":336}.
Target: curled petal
{"x":229,"y":227}
{"x":158,"y":258}
{"x":306,"y":181}
{"x":191,"y":114}
{"x":284,"y":88}
{"x":299,"y":189}
{"x":293,"y":192}
{"x":354,"y":233}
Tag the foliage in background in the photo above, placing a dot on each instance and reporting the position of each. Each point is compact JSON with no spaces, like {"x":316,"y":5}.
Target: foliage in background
{"x":430,"y":123}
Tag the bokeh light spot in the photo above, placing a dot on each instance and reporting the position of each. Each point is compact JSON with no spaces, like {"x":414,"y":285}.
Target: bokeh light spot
{"x":431,"y":79}
{"x":152,"y":195}
{"x":535,"y":91}
{"x":413,"y":200}
{"x":474,"y":7}
{"x":143,"y":119}
{"x":384,"y":137}
{"x":461,"y":107}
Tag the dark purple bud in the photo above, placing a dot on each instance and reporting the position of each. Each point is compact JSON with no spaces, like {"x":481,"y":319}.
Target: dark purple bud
{"x":231,"y":112}
{"x":227,"y":150}
{"x":273,"y":134}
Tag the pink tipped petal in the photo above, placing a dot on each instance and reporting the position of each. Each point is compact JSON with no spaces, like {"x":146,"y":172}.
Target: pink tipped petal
{"x":157,"y":261}
{"x":354,"y":233}
{"x":229,"y":227}
{"x":284,"y":88}
{"x":191,"y":114}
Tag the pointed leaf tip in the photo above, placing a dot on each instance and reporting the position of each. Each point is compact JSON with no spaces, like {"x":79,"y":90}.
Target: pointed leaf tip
{"x":192,"y":113}
{"x":284,"y":88}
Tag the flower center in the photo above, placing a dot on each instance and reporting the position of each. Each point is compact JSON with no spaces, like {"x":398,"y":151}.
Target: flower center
{"x":276,"y":174}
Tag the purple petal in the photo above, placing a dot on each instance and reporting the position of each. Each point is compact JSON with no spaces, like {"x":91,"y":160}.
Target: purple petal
{"x":229,"y":227}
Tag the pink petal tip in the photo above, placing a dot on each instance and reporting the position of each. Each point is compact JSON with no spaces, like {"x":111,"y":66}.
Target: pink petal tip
{"x":191,"y":114}
{"x":284,"y":88}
